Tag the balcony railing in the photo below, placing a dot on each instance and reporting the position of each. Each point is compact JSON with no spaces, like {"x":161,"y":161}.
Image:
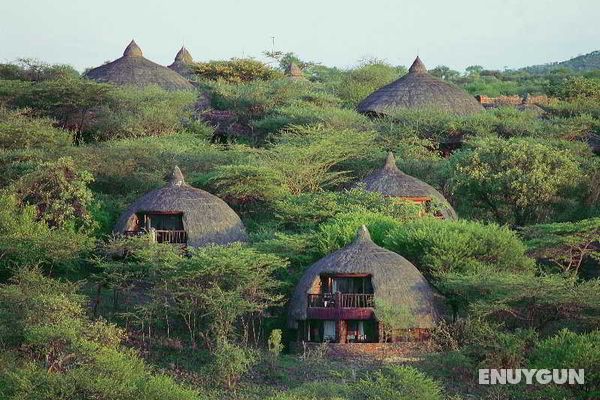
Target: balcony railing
{"x":341,"y":300}
{"x":163,"y":236}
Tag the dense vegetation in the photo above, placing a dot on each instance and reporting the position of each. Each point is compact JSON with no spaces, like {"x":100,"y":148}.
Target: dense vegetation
{"x":86,"y":314}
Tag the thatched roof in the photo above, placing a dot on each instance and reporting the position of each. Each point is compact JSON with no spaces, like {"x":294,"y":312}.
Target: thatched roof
{"x":293,"y":71}
{"x":206,"y":218}
{"x":390,"y":181}
{"x":395,"y":280}
{"x":419,"y":90}
{"x":182,"y":62}
{"x":133,"y":69}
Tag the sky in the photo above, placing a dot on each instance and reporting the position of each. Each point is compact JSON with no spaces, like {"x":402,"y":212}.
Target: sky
{"x":456,"y":33}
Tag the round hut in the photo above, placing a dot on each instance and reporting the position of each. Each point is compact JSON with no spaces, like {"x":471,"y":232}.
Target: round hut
{"x":182,"y":62}
{"x":336,"y":298}
{"x":419,"y":90}
{"x":135,"y":70}
{"x":391,"y":182}
{"x":180,"y":213}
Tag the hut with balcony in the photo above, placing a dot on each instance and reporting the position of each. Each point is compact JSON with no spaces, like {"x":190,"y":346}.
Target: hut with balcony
{"x":391,"y":182}
{"x":419,"y":90}
{"x":181,"y":214}
{"x":336,"y":298}
{"x":132,"y":69}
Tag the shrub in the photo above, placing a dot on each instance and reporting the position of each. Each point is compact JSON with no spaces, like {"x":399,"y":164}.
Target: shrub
{"x":231,"y":362}
{"x":371,"y":75}
{"x":60,"y":193}
{"x":398,"y":383}
{"x":438,"y":246}
{"x":571,"y":350}
{"x":20,"y":131}
{"x":235,"y":70}
{"x":26,"y":241}
{"x":516,"y":180}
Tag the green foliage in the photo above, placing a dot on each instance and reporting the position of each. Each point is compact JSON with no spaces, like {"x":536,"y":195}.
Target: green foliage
{"x":139,"y":112}
{"x":568,"y":245}
{"x":516,"y":181}
{"x":29,"y":69}
{"x":371,"y":75}
{"x":231,"y":362}
{"x":571,"y":350}
{"x":18,"y":130}
{"x":26,"y":241}
{"x":578,"y":87}
{"x":303,"y":159}
{"x":307,"y":210}
{"x":69,"y":356}
{"x":439,"y":246}
{"x":398,"y":383}
{"x":395,"y":319}
{"x":59,"y":192}
{"x":235,"y":70}
{"x":341,"y":230}
{"x":275,"y":346}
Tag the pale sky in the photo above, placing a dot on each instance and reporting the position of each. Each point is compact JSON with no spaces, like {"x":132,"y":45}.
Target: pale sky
{"x":456,"y":33}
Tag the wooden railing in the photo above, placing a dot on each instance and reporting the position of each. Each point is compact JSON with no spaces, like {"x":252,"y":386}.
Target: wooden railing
{"x":341,"y":300}
{"x":163,"y":236}
{"x":179,"y":237}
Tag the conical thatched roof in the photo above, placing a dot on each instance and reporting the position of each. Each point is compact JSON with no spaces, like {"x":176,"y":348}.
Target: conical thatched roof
{"x":294,"y":71}
{"x":182,"y":62}
{"x":206,"y":218}
{"x":390,"y":181}
{"x":133,"y":69}
{"x":417,"y":90}
{"x":395,"y":280}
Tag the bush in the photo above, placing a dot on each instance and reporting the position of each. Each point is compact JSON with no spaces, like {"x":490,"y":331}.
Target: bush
{"x":397,"y":383}
{"x":18,"y":130}
{"x":235,"y":70}
{"x":515,"y":181}
{"x":68,"y":357}
{"x":26,"y":241}
{"x":60,"y":193}
{"x":438,"y":246}
{"x":358,"y":83}
{"x":571,"y":350}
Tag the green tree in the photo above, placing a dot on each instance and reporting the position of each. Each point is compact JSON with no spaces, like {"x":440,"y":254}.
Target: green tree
{"x":60,"y":193}
{"x":568,"y":244}
{"x":26,"y":241}
{"x":517,"y":181}
{"x":68,"y":356}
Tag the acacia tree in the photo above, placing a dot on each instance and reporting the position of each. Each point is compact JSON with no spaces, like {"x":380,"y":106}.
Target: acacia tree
{"x":566,"y":244}
{"x":517,"y":181}
{"x":60,"y":193}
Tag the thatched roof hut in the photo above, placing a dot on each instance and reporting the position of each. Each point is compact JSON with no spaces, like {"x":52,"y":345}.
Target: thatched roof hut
{"x":205,"y":218}
{"x":419,"y":90}
{"x":135,"y":70}
{"x":293,"y":71}
{"x":182,"y":62}
{"x":390,"y":181}
{"x":396,"y":281}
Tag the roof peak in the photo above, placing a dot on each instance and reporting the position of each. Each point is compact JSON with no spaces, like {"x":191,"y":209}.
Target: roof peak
{"x":362,"y":235}
{"x":133,"y":50}
{"x":417,"y":67}
{"x":184,"y":55}
{"x":177,"y":178}
{"x":390,"y":162}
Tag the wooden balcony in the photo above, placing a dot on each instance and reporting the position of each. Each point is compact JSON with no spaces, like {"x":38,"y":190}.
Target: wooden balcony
{"x":341,"y":300}
{"x":162,"y":236}
{"x":341,"y":306}
{"x":178,"y":237}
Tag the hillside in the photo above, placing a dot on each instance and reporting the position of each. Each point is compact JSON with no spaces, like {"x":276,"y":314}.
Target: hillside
{"x":583,"y":63}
